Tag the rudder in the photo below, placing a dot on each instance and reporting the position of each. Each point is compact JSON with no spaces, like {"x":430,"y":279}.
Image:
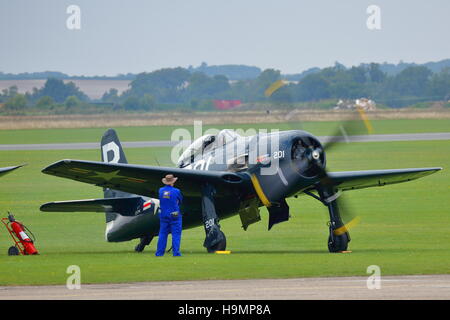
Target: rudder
{"x":112,"y":152}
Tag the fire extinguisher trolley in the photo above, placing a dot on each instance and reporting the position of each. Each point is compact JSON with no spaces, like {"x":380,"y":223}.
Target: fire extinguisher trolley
{"x":23,"y":243}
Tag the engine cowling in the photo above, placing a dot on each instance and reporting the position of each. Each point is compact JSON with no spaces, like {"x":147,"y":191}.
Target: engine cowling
{"x":289,"y":164}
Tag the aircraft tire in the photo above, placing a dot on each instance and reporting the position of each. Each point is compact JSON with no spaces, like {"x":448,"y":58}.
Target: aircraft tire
{"x":220,"y":246}
{"x":145,"y":241}
{"x":338,"y":243}
{"x":139,"y":247}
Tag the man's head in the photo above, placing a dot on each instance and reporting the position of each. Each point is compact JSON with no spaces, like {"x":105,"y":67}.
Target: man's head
{"x":169,"y":180}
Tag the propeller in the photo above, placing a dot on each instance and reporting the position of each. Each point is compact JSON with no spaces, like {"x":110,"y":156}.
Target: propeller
{"x":308,"y":158}
{"x":317,"y":166}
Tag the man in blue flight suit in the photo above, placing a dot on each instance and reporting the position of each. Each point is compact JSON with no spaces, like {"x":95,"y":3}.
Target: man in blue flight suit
{"x":170,"y":219}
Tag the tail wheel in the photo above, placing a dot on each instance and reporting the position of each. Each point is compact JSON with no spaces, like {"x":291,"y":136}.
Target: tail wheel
{"x":145,"y":241}
{"x":338,"y":243}
{"x":219,"y":246}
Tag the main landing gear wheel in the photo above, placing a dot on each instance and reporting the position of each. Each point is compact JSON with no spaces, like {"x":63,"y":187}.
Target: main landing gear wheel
{"x":215,"y":239}
{"x":219,"y":246}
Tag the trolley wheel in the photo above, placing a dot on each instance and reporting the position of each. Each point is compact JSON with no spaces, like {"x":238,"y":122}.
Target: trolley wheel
{"x":13,"y":251}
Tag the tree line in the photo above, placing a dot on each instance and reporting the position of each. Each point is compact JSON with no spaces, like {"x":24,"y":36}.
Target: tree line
{"x":231,"y":71}
{"x":181,"y":88}
{"x":174,"y":86}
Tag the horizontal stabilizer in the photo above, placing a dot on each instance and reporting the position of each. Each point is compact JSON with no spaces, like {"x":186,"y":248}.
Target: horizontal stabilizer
{"x":6,"y":170}
{"x":125,"y":206}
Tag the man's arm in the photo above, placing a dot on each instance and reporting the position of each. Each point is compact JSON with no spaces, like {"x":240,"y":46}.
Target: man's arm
{"x":180,"y":197}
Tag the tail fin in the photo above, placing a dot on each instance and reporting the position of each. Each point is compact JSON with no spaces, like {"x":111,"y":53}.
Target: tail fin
{"x":112,"y":152}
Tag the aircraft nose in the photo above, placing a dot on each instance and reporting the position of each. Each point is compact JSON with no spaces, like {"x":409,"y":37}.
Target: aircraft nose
{"x":315,"y":154}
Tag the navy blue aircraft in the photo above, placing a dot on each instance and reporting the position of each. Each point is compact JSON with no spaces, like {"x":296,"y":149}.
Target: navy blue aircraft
{"x":220,"y":175}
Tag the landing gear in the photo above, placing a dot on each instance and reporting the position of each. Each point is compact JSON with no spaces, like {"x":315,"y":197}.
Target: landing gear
{"x":219,"y":246}
{"x":215,"y":239}
{"x":339,"y":237}
{"x":145,"y":240}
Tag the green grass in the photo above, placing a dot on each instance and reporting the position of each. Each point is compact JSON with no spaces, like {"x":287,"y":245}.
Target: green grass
{"x":164,"y":132}
{"x":405,"y":228}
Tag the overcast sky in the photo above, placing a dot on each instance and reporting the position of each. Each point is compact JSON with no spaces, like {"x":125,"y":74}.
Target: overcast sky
{"x":118,"y":36}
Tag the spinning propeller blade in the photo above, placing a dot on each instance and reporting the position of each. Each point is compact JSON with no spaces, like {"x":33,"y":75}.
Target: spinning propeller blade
{"x":310,"y":157}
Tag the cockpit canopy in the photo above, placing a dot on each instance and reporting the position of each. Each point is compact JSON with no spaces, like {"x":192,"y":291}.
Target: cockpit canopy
{"x":204,"y":143}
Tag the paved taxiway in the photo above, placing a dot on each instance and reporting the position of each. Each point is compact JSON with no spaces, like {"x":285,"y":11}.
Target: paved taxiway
{"x":147,"y":144}
{"x":348,"y":288}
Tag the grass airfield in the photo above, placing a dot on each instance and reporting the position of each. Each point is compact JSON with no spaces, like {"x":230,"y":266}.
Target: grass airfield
{"x":154,"y":133}
{"x":404,"y":229}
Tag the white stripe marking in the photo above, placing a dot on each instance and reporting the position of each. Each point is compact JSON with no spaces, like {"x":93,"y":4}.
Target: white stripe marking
{"x":282,"y":177}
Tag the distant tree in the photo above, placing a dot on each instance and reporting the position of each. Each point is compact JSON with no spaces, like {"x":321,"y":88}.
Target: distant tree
{"x":439,"y":86}
{"x":45,"y":102}
{"x":72,"y":102}
{"x":59,"y":91}
{"x":412,"y":81}
{"x":267,"y":77}
{"x":147,"y":102}
{"x":338,"y":66}
{"x":375,"y":73}
{"x":241,"y":90}
{"x":16,"y":103}
{"x":358,"y":74}
{"x":220,"y":83}
{"x":284,"y":94}
{"x":3,"y":95}
{"x":13,"y":90}
{"x":313,"y":87}
{"x":131,"y":103}
{"x":165,"y":85}
{"x":111,"y":96}
{"x":263,"y":82}
{"x":232,"y":72}
{"x":299,"y":76}
{"x":8,"y":93}
{"x":200,"y":86}
{"x":198,"y":82}
{"x":340,"y":82}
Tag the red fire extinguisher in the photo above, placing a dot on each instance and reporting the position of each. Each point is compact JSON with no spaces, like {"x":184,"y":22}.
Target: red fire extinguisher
{"x":17,"y":231}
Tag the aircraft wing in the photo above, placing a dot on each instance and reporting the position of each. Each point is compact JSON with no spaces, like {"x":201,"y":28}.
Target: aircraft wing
{"x":351,"y":180}
{"x":6,"y":170}
{"x":141,"y":180}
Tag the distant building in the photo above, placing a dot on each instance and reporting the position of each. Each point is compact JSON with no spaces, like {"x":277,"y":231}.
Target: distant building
{"x":363,"y":103}
{"x":226,"y":104}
